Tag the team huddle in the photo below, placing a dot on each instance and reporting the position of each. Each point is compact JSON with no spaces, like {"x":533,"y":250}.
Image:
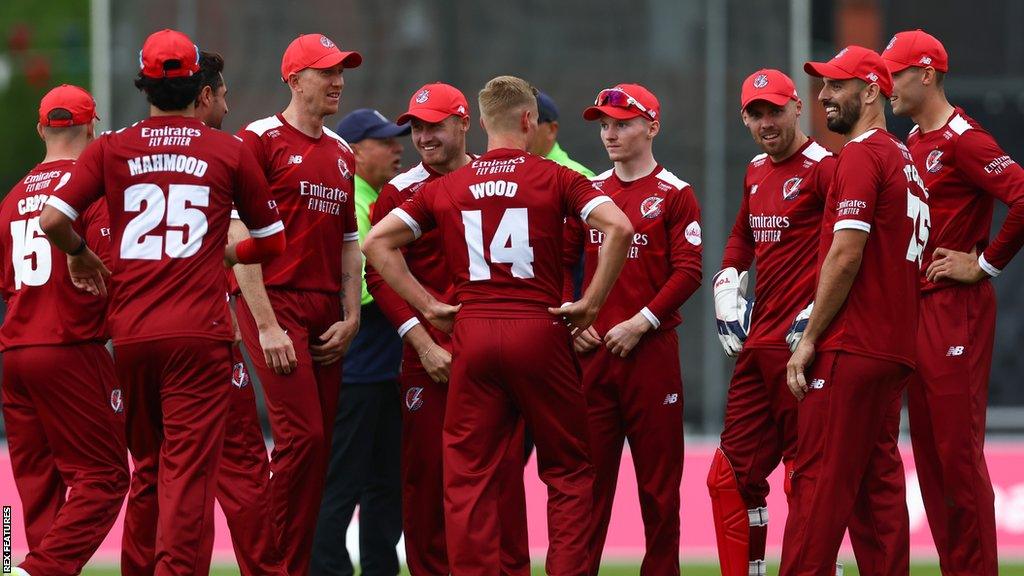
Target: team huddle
{"x":534,"y":304}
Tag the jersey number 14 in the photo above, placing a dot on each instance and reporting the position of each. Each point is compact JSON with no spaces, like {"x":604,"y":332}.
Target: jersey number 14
{"x":509,"y":245}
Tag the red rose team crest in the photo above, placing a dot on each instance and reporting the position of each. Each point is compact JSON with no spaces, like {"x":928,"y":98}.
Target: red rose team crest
{"x":934,"y":161}
{"x":414,"y":398}
{"x":650,"y":208}
{"x":117,"y":400}
{"x":791,"y":188}
{"x":239,"y":377}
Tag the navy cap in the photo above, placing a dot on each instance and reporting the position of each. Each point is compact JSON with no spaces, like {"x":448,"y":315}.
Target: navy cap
{"x":366,"y":123}
{"x":546,"y":109}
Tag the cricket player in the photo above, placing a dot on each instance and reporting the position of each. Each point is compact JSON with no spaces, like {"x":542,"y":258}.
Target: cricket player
{"x":439,"y":116}
{"x":243,"y":485}
{"x":964,"y":170}
{"x":300,"y":311}
{"x":169,"y":181}
{"x":630,"y":356}
{"x":778,"y":224}
{"x":857,"y":350}
{"x":62,"y":405}
{"x":501,"y":218}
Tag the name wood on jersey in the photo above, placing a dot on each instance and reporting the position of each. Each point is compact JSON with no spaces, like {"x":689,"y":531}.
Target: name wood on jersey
{"x":167,"y":163}
{"x":493,"y":188}
{"x":323,"y":198}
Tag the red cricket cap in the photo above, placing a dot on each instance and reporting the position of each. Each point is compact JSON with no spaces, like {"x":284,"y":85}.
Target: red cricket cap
{"x":435,"y":102}
{"x":168,"y":54}
{"x":915,"y":48}
{"x":315,"y":51}
{"x":75,"y":100}
{"x":623,"y":102}
{"x":854,"y":62}
{"x":769,"y":85}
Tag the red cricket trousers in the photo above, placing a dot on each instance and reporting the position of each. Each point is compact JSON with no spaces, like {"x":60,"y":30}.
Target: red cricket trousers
{"x":302,"y":406}
{"x":760,"y":421}
{"x":638,"y":398}
{"x":503,"y":369}
{"x":243,"y":485}
{"x":176,"y":402}
{"x":423,"y":479}
{"x":848,"y":471}
{"x":947,"y":399}
{"x":65,"y":430}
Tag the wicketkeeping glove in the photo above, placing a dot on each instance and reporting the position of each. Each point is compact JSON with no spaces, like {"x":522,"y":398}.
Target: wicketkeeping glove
{"x":732,"y":309}
{"x":796,"y":330}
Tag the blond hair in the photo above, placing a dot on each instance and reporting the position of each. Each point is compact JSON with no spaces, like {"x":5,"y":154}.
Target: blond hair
{"x":503,"y":100}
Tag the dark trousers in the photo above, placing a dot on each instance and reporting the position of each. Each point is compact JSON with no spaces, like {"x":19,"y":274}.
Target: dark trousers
{"x":364,"y":470}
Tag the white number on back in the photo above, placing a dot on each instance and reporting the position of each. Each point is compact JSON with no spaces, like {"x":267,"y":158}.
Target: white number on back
{"x":183,"y":219}
{"x":30,"y":253}
{"x":919,"y":214}
{"x":509,"y":245}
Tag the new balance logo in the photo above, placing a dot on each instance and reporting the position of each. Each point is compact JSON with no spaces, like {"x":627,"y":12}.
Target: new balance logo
{"x":670,"y":399}
{"x":955,"y":351}
{"x":295,"y":159}
{"x":818,"y":383}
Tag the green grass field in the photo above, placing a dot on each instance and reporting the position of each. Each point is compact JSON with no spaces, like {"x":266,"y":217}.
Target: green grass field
{"x":628,"y":570}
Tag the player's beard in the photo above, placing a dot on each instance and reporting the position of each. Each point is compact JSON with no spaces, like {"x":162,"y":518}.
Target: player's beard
{"x":847,"y":116}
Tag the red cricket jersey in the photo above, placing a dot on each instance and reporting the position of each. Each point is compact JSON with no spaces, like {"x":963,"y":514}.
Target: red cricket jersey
{"x":876,"y":189}
{"x":43,"y":306}
{"x":312,"y":181}
{"x":425,"y":256}
{"x":663,"y":266}
{"x":964,"y":169}
{"x":501,"y":220}
{"x":169,"y":183}
{"x":778,"y":225}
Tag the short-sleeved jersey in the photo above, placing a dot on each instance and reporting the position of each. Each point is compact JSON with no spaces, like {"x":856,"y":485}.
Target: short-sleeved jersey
{"x":778,"y":224}
{"x":964,"y":169}
{"x":169,"y":182}
{"x":501,"y":220}
{"x":876,"y":189}
{"x":312,"y":181}
{"x":425,"y":256}
{"x":43,"y":306}
{"x":663,"y":265}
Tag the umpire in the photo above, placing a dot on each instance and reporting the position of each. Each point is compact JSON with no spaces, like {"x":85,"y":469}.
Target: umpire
{"x":364,"y":467}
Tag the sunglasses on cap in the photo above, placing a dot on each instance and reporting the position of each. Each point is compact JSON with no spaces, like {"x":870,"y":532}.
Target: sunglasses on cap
{"x":619,"y":98}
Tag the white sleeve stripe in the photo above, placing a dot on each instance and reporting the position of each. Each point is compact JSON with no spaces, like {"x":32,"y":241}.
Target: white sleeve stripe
{"x":988,"y":268}
{"x":852,"y":225}
{"x":350,"y":237}
{"x":63,"y":206}
{"x":409,"y":221}
{"x":267,"y":230}
{"x":235,"y":215}
{"x":407,"y":325}
{"x":594,"y":203}
{"x":646,"y":312}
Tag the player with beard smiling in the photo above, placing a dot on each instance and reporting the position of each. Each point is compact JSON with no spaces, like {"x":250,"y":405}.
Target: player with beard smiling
{"x":855,"y":355}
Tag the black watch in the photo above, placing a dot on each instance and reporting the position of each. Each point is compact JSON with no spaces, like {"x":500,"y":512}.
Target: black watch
{"x":81,"y":248}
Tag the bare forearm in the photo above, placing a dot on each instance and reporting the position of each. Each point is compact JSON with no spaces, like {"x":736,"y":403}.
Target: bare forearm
{"x":351,"y":279}
{"x":391,"y":265}
{"x":418,"y":338}
{"x":609,"y":263}
{"x":838,"y":273}
{"x":59,"y":231}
